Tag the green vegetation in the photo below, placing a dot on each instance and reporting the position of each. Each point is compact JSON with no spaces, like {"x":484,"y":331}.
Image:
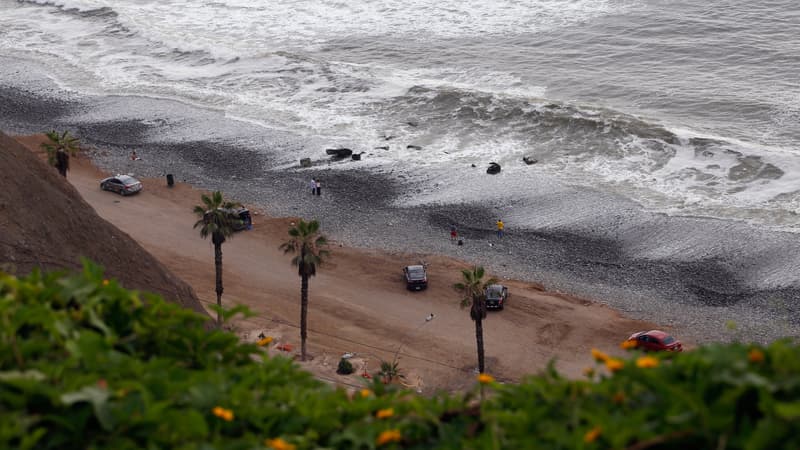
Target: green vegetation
{"x":345,"y":367}
{"x":63,"y":141}
{"x":309,"y":247}
{"x":215,"y":220}
{"x":473,"y":296}
{"x":86,"y":364}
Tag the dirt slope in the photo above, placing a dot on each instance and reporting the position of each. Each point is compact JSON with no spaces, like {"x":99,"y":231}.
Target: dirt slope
{"x":45,"y":223}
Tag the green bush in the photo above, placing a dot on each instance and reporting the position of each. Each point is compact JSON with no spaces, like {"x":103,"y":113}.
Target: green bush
{"x":345,"y":368}
{"x":86,"y":364}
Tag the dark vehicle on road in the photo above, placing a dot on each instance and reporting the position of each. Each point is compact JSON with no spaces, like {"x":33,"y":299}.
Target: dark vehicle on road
{"x":121,"y":184}
{"x":242,"y":219}
{"x":496,"y":296}
{"x":416,"y":277}
{"x":656,"y":340}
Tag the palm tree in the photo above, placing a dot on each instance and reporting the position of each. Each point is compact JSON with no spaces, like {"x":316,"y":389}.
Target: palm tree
{"x":59,"y":149}
{"x":305,"y":240}
{"x":216,"y":220}
{"x":473,"y":290}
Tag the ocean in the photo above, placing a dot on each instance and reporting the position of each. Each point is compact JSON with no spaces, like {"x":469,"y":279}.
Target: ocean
{"x":684,"y":107}
{"x":674,"y":109}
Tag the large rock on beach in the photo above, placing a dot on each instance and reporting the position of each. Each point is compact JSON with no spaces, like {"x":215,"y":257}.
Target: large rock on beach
{"x":339,"y":152}
{"x":493,"y":168}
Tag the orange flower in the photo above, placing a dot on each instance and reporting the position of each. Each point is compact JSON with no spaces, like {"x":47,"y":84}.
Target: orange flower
{"x":755,"y":355}
{"x":618,"y":398}
{"x":384,"y":413}
{"x":613,"y":364}
{"x":485,"y":378}
{"x":627,"y":345}
{"x":222,"y":413}
{"x":646,"y":362}
{"x":365,"y":393}
{"x":105,"y":282}
{"x":592,"y":435}
{"x":266,"y":341}
{"x":388,"y":436}
{"x":279,"y":444}
{"x":599,"y":356}
{"x":589,"y":372}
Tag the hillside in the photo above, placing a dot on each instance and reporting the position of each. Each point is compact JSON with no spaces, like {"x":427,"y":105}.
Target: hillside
{"x":45,"y":223}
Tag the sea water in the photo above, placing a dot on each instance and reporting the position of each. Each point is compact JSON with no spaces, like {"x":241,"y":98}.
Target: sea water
{"x":683,"y":107}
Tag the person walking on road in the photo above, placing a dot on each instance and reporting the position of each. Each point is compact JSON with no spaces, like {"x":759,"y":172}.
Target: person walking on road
{"x":453,"y":233}
{"x":500,"y":227}
{"x":319,"y":188}
{"x":313,"y":187}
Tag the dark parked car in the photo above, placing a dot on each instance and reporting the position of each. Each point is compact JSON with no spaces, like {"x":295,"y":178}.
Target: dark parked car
{"x":121,"y":184}
{"x":496,"y":296}
{"x":656,"y":340}
{"x":242,"y":221}
{"x":416,"y":277}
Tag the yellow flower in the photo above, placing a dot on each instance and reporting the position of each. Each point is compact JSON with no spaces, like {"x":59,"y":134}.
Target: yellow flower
{"x":614,"y":364}
{"x":485,"y":378}
{"x":222,"y":413}
{"x":365,"y":393}
{"x":589,"y":372}
{"x":627,"y":345}
{"x":592,"y":435}
{"x":266,"y":341}
{"x":105,"y":282}
{"x":618,"y":398}
{"x":388,"y":436}
{"x":599,"y":356}
{"x":384,"y":413}
{"x":755,"y":355}
{"x":646,"y":362}
{"x":279,"y":444}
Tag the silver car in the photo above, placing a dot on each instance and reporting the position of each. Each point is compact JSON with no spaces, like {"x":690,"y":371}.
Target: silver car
{"x":121,"y":184}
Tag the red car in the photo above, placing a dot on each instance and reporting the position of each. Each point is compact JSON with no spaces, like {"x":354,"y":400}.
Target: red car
{"x":656,"y":340}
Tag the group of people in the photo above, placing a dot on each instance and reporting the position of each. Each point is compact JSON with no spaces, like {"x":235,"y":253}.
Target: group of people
{"x":316,"y":187}
{"x":454,"y":232}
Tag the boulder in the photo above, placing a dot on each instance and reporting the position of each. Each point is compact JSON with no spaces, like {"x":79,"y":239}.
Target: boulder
{"x":339,"y":152}
{"x":356,"y":156}
{"x":529,"y":160}
{"x":305,"y":162}
{"x":493,"y":169}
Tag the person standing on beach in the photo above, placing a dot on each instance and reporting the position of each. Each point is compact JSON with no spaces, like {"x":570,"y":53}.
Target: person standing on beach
{"x":313,"y":187}
{"x":500,"y":227}
{"x":453,"y":233}
{"x":319,"y":188}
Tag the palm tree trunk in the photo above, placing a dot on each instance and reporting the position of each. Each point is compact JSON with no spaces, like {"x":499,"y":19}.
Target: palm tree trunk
{"x":479,"y":339}
{"x":218,"y":267}
{"x":303,"y":315}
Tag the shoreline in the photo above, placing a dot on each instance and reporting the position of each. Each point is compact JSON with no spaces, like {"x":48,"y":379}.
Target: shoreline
{"x":698,"y":297}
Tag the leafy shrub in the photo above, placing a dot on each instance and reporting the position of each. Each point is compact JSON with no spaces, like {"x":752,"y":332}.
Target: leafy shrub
{"x":389,"y":371}
{"x":345,"y":368}
{"x":85,"y":363}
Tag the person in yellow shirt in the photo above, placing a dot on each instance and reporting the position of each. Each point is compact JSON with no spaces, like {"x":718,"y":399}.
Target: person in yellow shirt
{"x":500,"y":227}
